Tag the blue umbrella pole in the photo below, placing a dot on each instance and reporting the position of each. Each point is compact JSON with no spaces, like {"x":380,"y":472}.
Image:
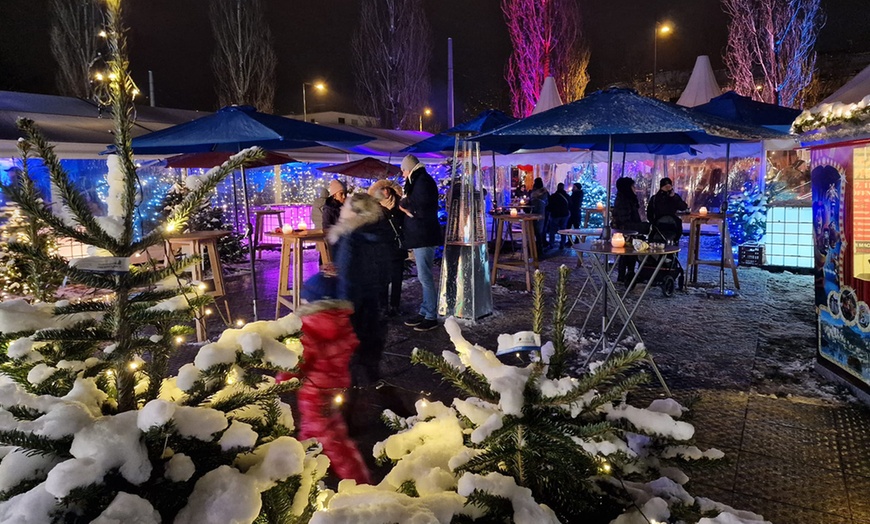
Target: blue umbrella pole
{"x":249,"y":234}
{"x":605,"y":230}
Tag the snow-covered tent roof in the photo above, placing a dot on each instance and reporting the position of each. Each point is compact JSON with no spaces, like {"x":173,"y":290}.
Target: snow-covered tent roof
{"x":79,"y":128}
{"x":852,"y":91}
{"x":549,"y":97}
{"x":702,"y":86}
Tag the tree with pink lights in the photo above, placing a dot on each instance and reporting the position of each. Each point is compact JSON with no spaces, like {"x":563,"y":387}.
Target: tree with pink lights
{"x":770,"y":52}
{"x":547,"y":41}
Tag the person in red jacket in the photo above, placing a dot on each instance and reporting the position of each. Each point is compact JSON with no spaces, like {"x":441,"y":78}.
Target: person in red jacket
{"x":329,"y":342}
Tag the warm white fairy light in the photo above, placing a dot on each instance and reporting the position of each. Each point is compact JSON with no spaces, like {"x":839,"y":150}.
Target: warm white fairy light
{"x":201,"y":286}
{"x":240,"y":322}
{"x":208,"y":311}
{"x":133,"y":366}
{"x":338,"y":399}
{"x":179,"y":339}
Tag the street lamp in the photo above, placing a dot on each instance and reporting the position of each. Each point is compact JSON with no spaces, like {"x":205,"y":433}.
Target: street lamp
{"x":664,"y":30}
{"x":319,"y":86}
{"x":426,"y":112}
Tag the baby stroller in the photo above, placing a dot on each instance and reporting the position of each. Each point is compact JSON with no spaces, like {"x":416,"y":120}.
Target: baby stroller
{"x":666,"y":230}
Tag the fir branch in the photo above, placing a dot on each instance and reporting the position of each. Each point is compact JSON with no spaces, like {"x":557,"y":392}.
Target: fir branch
{"x":147,"y":276}
{"x":499,"y":509}
{"x":23,"y":486}
{"x":468,"y":381}
{"x":94,"y":234}
{"x":538,"y":303}
{"x":607,"y":372}
{"x":560,"y":316}
{"x":89,"y":306}
{"x":33,"y":444}
{"x":92,"y":279}
{"x":24,"y":412}
{"x":616,"y":392}
{"x":409,"y":488}
{"x":243,"y":398}
{"x":74,"y":333}
{"x":158,"y":295}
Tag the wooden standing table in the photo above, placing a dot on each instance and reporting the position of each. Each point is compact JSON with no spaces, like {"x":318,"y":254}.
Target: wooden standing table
{"x":290,"y":286}
{"x":694,"y":260}
{"x":195,"y":242}
{"x":529,"y":251}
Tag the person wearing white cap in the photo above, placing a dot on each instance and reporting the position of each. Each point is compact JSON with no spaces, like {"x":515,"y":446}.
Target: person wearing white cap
{"x":422,"y":234}
{"x":331,"y":209}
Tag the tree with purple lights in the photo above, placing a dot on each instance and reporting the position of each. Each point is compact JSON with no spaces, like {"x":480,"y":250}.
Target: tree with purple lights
{"x":391,"y":51}
{"x":547,"y":42}
{"x":770,"y":52}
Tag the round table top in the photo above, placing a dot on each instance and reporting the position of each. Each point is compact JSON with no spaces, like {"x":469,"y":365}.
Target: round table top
{"x":268,"y":211}
{"x":593,"y":209}
{"x":299,"y":233}
{"x":593,"y":231}
{"x":605,"y":248}
{"x":695,"y":216}
{"x":518,"y":218}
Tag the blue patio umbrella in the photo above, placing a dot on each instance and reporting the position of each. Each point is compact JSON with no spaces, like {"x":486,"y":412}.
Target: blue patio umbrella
{"x":234,"y":128}
{"x":617,"y":117}
{"x":745,"y":110}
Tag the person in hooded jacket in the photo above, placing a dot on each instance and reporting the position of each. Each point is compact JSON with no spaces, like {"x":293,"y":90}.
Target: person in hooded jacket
{"x":559,"y":208}
{"x":328,"y":342}
{"x":625,"y":215}
{"x":362,"y":242}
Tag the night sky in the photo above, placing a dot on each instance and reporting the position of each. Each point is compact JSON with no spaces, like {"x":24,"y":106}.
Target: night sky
{"x":312,"y":38}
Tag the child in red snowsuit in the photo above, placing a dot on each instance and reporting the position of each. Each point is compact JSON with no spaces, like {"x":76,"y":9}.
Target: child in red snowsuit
{"x":329,"y":342}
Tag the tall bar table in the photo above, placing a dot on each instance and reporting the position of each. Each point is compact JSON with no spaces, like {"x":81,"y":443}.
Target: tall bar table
{"x":290,"y":286}
{"x":598,"y":277}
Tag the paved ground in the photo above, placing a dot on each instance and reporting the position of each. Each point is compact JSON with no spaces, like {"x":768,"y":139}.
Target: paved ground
{"x":797,"y":447}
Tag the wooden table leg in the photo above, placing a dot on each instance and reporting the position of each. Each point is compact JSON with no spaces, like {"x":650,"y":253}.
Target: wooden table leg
{"x":729,"y":253}
{"x":283,"y":273}
{"x":527,"y":254}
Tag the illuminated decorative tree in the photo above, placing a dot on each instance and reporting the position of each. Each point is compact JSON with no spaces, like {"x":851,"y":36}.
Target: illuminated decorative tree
{"x":391,"y":51}
{"x":547,"y":42}
{"x":244,"y":61}
{"x":74,"y":42}
{"x":770,"y":52}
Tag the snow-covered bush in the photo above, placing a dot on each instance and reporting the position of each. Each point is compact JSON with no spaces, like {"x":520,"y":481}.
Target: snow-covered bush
{"x":530,"y":445}
{"x":93,"y":425}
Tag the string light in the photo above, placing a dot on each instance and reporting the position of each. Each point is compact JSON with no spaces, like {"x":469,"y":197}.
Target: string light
{"x":103,"y":34}
{"x":240,"y":322}
{"x":338,"y":399}
{"x":133,"y":365}
{"x":179,"y":339}
{"x":201,"y":286}
{"x":208,"y":311}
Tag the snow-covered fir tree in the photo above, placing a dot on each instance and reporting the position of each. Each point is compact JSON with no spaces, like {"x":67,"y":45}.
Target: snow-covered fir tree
{"x":531,"y":445}
{"x":93,"y":426}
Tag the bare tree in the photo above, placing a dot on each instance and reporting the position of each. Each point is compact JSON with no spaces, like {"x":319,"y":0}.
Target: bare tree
{"x":547,"y":41}
{"x":244,"y":60}
{"x":74,"y":44}
{"x":391,"y":52}
{"x":770,"y":52}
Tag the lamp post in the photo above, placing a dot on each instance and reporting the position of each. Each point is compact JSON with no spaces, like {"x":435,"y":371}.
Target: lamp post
{"x":318,"y":86}
{"x":426,"y":112}
{"x":662,"y":29}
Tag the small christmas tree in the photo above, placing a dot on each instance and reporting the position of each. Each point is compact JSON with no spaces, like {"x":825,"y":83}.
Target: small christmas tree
{"x":29,"y":265}
{"x":97,"y":428}
{"x":208,"y":218}
{"x":747,"y":215}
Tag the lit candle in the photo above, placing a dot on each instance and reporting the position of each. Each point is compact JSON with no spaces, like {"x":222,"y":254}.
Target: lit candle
{"x":617,"y":240}
{"x":702,"y":211}
{"x":514,"y":211}
{"x":522,"y":201}
{"x":599,"y":205}
{"x":287,"y":228}
{"x":302,"y":225}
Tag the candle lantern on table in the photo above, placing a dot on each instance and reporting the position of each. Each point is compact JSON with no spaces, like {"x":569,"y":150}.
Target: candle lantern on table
{"x":702,"y":211}
{"x":466,"y":291}
{"x":302,"y":226}
{"x":599,"y":206}
{"x":514,"y":212}
{"x":617,"y":240}
{"x":286,"y":228}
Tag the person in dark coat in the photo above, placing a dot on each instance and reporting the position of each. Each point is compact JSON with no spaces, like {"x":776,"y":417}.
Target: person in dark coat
{"x":576,"y":206}
{"x":626,"y":215}
{"x":422,"y":234}
{"x":538,"y":200}
{"x":559,"y":208}
{"x":331,"y":208}
{"x":362,"y":244}
{"x":666,"y":203}
{"x":389,"y":193}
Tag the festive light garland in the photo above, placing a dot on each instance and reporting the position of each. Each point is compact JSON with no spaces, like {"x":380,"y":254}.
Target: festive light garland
{"x":849,"y":117}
